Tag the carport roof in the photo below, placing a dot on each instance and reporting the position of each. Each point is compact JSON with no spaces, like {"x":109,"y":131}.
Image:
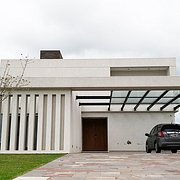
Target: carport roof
{"x":150,"y":98}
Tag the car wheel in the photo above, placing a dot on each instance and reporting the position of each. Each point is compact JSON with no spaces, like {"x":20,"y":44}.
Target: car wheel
{"x":157,"y":148}
{"x":174,"y":151}
{"x":147,"y":149}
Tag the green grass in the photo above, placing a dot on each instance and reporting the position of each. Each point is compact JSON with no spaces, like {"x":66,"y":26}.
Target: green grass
{"x":12,"y":166}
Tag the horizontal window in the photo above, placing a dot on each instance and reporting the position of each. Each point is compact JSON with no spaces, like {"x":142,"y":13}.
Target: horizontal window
{"x":139,"y":71}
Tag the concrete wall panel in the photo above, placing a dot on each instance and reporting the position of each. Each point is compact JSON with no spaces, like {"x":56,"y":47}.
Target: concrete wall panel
{"x":126,"y":130}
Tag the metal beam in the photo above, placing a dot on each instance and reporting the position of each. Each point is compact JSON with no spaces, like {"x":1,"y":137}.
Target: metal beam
{"x":168,"y":103}
{"x":137,"y":105}
{"x":92,"y":97}
{"x":93,"y":104}
{"x":178,"y":106}
{"x":107,"y":103}
{"x":110,"y":101}
{"x":128,"y":94}
{"x":163,"y":94}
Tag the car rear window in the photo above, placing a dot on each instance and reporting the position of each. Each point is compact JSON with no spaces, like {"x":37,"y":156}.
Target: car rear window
{"x":171,"y":128}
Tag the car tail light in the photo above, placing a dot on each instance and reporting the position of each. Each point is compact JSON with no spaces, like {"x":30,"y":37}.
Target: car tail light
{"x":162,"y":134}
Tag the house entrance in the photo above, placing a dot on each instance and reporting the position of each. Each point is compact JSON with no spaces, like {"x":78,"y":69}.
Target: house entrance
{"x":94,"y":134}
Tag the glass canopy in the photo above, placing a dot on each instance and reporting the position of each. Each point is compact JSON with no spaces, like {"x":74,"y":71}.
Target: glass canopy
{"x":136,"y":98}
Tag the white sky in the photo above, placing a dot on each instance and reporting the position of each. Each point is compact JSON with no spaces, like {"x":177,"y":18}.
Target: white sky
{"x":90,"y":28}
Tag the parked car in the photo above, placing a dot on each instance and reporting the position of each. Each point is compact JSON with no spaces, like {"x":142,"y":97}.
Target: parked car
{"x":163,"y":137}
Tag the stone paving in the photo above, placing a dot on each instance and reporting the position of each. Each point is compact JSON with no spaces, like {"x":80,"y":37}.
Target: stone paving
{"x":110,"y":166}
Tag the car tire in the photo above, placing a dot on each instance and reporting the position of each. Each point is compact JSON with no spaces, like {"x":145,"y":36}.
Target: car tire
{"x":174,"y":151}
{"x":147,"y":149}
{"x":157,"y":148}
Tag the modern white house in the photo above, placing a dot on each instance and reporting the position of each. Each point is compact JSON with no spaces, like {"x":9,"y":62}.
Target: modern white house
{"x":75,"y":105}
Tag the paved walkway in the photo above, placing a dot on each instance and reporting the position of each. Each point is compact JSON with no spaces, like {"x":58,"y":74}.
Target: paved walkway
{"x":110,"y":166}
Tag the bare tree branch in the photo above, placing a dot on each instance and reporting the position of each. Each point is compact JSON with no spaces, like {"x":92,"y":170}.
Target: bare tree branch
{"x":9,"y":83}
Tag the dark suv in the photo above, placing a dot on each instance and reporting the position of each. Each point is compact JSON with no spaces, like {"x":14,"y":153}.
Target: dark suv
{"x":163,"y":136}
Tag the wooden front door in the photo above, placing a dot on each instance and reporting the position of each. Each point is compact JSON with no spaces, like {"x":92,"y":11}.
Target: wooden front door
{"x":94,"y":134}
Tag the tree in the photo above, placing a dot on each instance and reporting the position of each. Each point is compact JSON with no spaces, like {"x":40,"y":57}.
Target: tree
{"x":9,"y":83}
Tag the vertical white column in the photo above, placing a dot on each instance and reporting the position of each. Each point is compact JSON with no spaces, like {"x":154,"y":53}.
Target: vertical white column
{"x":13,"y":135}
{"x":40,"y":123}
{"x":48,"y":125}
{"x":67,"y":122}
{"x":53,"y":122}
{"x":62,"y":119}
{"x":31,"y":122}
{"x":57,"y":122}
{"x":5,"y":108}
{"x":23,"y":116}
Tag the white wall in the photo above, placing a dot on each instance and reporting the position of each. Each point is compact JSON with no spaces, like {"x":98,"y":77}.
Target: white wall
{"x":88,"y":74}
{"x":130,"y":126}
{"x":76,"y":125}
{"x":85,"y":67}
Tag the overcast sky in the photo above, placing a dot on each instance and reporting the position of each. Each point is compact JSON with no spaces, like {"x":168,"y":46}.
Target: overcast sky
{"x":90,"y":28}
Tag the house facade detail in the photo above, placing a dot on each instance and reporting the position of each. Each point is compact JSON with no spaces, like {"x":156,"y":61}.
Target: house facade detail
{"x":75,"y":105}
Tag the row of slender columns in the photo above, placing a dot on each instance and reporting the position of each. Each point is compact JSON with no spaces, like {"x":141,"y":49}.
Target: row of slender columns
{"x":17,"y":134}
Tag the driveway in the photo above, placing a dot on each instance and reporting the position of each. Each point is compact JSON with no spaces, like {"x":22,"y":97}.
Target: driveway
{"x":110,"y":166}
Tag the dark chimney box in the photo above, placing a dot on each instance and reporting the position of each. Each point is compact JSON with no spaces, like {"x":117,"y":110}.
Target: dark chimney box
{"x":50,"y":54}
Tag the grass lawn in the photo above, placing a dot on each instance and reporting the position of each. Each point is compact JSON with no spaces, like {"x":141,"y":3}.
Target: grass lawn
{"x":12,"y":166}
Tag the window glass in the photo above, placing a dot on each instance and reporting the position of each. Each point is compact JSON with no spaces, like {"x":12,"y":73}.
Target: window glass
{"x":154,"y":93}
{"x":165,"y":127}
{"x":117,"y":100}
{"x":120,"y":94}
{"x":137,"y":94}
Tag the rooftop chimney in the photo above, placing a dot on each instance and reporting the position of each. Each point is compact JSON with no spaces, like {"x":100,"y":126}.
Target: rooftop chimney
{"x":50,"y":54}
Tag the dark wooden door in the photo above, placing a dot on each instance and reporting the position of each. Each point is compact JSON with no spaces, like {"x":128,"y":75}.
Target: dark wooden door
{"x":94,"y":134}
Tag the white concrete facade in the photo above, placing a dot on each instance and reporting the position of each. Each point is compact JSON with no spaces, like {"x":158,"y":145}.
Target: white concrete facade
{"x":45,"y":116}
{"x":124,"y":127}
{"x":22,"y":133}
